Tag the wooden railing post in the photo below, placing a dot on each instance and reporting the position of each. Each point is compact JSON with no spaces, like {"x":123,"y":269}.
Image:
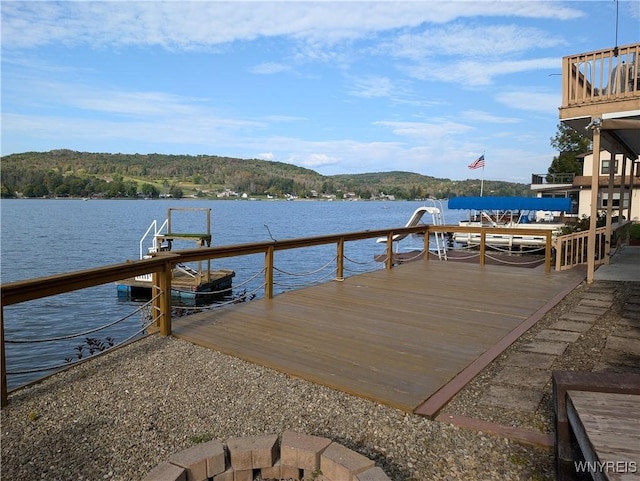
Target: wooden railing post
{"x":591,"y":240}
{"x":268,"y":273}
{"x":3,"y":364}
{"x":483,"y":245}
{"x":389,"y":262}
{"x":340,"y":260}
{"x":426,"y":243}
{"x":561,"y":247}
{"x":162,"y":303}
{"x":547,"y":253}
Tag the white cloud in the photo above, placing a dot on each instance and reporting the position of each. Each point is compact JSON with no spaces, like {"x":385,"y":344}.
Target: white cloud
{"x":371,"y":86}
{"x":464,"y":41}
{"x":327,"y":49}
{"x":480,"y":116}
{"x":284,"y":118}
{"x":196,"y":24}
{"x":120,"y":105}
{"x":269,"y":68}
{"x":314,"y":160}
{"x":438,"y":129}
{"x":543,"y":102}
{"x":476,"y":73}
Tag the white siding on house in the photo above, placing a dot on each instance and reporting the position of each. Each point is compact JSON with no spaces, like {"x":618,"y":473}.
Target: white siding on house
{"x":605,"y":163}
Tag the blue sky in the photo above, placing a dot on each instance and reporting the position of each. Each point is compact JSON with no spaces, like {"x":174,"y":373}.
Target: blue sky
{"x":337,"y":87}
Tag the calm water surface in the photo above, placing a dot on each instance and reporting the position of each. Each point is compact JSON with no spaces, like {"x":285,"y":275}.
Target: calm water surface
{"x":44,"y":237}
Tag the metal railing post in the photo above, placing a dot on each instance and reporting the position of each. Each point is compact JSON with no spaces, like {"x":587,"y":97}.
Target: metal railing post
{"x":340,"y":260}
{"x":268,"y":274}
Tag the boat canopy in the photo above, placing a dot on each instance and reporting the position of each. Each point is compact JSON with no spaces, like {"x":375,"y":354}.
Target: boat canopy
{"x":561,"y":204}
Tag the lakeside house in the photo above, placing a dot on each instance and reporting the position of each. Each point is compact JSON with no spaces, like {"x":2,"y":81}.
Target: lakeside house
{"x":625,"y":192}
{"x":601,"y":99}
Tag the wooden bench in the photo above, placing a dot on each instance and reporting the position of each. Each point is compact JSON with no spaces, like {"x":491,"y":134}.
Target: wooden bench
{"x":597,"y":425}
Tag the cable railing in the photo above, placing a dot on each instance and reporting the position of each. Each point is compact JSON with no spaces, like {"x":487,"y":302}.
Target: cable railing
{"x":95,"y":349}
{"x":161,"y":266}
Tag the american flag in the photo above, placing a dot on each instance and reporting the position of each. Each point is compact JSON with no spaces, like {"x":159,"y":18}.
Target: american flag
{"x":476,"y":164}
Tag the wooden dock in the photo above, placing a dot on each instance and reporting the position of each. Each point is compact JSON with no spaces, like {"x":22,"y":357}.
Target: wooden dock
{"x":409,"y":337}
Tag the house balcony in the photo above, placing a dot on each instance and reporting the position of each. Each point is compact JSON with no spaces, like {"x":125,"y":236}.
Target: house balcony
{"x":604,"y":86}
{"x":551,"y":181}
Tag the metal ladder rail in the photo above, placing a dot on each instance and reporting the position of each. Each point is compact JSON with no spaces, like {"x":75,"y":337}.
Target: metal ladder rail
{"x":437,"y":218}
{"x":150,"y":250}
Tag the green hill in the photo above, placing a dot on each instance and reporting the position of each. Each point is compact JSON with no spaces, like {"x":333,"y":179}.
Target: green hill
{"x":83,"y":174}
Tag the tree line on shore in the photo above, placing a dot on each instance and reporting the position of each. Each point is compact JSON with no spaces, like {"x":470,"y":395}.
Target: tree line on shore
{"x":67,"y":173}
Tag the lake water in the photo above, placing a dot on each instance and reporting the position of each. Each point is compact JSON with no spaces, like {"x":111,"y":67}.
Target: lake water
{"x":44,"y":237}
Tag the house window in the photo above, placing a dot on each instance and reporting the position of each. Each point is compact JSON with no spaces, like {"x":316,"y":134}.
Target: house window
{"x":606,"y":165}
{"x":615,"y":200}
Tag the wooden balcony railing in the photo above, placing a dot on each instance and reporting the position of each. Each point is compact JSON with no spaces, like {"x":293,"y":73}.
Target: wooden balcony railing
{"x":161,"y":267}
{"x":571,"y":249}
{"x":601,"y":76}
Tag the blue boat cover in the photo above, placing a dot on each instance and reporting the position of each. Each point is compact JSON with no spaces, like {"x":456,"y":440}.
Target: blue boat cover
{"x":562,"y":204}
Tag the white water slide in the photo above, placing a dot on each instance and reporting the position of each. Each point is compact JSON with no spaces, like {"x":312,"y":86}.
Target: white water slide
{"x":416,"y":219}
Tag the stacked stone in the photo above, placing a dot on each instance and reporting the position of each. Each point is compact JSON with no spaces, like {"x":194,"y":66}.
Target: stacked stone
{"x":294,"y":456}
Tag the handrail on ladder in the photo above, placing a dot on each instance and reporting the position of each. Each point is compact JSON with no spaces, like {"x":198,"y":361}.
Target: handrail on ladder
{"x":437,"y":217}
{"x":156,"y":231}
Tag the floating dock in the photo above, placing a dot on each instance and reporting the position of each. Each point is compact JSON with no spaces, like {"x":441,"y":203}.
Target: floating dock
{"x":190,"y":285}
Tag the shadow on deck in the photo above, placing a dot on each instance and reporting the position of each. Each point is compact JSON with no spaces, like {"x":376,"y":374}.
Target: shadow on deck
{"x":409,"y":337}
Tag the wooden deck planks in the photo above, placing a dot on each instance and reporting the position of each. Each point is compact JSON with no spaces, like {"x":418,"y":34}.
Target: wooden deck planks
{"x":607,"y":429}
{"x":395,"y":337}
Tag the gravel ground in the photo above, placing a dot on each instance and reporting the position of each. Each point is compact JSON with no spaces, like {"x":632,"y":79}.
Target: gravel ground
{"x":116,"y":417}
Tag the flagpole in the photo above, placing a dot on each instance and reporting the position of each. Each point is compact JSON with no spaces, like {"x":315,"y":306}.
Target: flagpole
{"x":476,"y":164}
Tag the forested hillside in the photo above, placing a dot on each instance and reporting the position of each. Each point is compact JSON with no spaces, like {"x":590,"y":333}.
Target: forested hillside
{"x":83,"y":174}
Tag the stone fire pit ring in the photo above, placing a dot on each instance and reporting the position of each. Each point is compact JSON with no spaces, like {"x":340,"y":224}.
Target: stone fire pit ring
{"x":292,"y":456}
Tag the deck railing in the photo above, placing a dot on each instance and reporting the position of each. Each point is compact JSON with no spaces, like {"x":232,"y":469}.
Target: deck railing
{"x":546,"y":179}
{"x":601,"y":76}
{"x":571,"y":249}
{"x":161,"y":267}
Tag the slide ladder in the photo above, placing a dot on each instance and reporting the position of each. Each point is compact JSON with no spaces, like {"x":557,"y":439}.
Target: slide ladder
{"x":437,"y":218}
